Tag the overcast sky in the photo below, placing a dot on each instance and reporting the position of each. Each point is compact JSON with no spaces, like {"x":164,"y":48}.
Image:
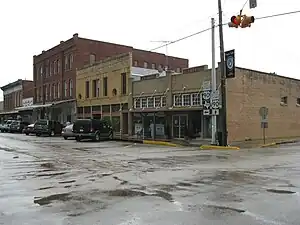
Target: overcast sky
{"x":28,"y":27}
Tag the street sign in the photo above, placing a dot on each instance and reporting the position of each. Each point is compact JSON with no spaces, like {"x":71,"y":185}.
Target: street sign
{"x":230,"y":64}
{"x":263,"y":112}
{"x":215,"y":94}
{"x":206,"y":86}
{"x":215,"y":112}
{"x":206,"y":112}
{"x":252,"y":4}
{"x":206,"y":102}
{"x":215,"y":103}
{"x":264,"y":125}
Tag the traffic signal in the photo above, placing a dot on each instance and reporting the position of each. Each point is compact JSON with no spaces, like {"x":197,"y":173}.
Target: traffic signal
{"x":235,"y":21}
{"x":247,"y":21}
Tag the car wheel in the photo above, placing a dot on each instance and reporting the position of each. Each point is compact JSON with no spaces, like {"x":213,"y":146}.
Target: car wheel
{"x":66,"y":138}
{"x":38,"y":135}
{"x":97,"y":137}
{"x":27,"y":133}
{"x":78,"y":139}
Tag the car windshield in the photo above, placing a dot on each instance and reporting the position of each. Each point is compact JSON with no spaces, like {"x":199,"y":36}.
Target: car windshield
{"x":31,"y":125}
{"x":42,"y":122}
{"x":15,"y":122}
{"x":9,"y":122}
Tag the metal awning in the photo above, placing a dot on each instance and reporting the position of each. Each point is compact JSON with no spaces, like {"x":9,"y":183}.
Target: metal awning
{"x":37,"y":106}
{"x":9,"y":112}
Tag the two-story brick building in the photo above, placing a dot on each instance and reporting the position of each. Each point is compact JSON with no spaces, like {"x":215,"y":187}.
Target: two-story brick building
{"x":14,"y":95}
{"x":55,"y":70}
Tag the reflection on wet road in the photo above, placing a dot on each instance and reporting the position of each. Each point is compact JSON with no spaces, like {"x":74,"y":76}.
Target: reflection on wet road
{"x":53,"y":181}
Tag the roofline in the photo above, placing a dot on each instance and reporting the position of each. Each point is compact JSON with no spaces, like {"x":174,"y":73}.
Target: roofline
{"x":262,"y":72}
{"x":174,"y":57}
{"x":12,"y":84}
{"x":104,"y":42}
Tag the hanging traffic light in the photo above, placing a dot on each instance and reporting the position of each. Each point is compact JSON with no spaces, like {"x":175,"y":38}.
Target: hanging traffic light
{"x":247,"y":21}
{"x":235,"y":21}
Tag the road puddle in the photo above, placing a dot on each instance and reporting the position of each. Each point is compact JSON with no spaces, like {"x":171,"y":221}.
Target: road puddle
{"x":67,"y":182}
{"x":50,"y":174}
{"x":49,"y":199}
{"x":276,"y":191}
{"x":45,"y":188}
{"x":225,"y":209}
{"x":125,"y":193}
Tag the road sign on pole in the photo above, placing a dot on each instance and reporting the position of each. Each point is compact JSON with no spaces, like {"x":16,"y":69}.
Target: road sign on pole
{"x":264,"y":124}
{"x":252,"y":4}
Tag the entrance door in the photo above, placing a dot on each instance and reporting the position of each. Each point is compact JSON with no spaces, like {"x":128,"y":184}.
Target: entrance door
{"x":179,"y":124}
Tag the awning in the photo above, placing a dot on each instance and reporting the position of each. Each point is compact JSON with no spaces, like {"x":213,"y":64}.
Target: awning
{"x":31,"y":107}
{"x":9,"y":112}
{"x":37,"y":106}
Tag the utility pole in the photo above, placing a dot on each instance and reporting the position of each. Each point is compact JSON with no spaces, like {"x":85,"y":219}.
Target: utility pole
{"x":223,"y":117}
{"x":213,"y":80}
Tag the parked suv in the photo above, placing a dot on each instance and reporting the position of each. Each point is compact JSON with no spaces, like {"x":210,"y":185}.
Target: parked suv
{"x":48,"y":127}
{"x":93,"y":129}
{"x":18,"y":126}
{"x":6,"y":126}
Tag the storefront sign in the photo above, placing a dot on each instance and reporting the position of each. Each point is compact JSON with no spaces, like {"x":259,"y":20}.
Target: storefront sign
{"x":27,"y":102}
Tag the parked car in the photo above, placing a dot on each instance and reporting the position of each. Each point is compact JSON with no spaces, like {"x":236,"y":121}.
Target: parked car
{"x":18,"y":126}
{"x":67,"y":132}
{"x":47,"y":127}
{"x":93,"y":129}
{"x":6,"y":126}
{"x":29,"y":129}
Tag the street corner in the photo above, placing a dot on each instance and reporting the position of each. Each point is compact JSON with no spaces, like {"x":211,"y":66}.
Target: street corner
{"x":163,"y":143}
{"x":216,"y":147}
{"x":272,"y":144}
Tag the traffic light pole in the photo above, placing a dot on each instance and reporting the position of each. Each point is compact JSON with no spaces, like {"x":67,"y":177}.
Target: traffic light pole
{"x":213,"y":81}
{"x":223,"y":116}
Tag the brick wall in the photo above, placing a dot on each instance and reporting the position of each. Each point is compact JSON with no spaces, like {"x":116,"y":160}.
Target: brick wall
{"x":251,"y":90}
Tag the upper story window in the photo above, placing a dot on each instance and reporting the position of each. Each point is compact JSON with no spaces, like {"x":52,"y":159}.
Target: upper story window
{"x":55,"y":67}
{"x":65,"y":89}
{"x":70,"y":87}
{"x":58,"y":66}
{"x":66,"y":63}
{"x":87,"y":89}
{"x":135,"y":63}
{"x":58,"y":90}
{"x":41,"y":70}
{"x":92,"y":58}
{"x":153,"y":66}
{"x":145,"y":65}
{"x":105,"y":86}
{"x":71,"y":60}
{"x":123,"y":83}
{"x":51,"y":68}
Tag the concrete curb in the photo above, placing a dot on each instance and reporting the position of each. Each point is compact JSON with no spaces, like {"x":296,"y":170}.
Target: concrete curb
{"x":164,"y":143}
{"x":215,"y":147}
{"x":278,"y":143}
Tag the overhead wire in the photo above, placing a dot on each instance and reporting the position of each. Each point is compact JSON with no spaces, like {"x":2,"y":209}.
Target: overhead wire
{"x":207,"y":29}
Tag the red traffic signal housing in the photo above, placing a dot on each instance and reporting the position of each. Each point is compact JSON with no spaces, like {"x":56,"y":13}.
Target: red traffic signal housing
{"x":247,"y":21}
{"x":235,"y":21}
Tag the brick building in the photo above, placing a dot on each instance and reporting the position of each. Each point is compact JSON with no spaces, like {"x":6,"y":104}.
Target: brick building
{"x":14,"y":93}
{"x":55,"y":69}
{"x":179,"y":104}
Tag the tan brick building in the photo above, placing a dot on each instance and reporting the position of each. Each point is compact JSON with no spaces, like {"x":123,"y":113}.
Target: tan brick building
{"x":173,"y":101}
{"x":251,"y":90}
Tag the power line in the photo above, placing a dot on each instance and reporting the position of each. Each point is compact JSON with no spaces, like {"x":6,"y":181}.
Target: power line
{"x":207,"y":29}
{"x":276,"y":15}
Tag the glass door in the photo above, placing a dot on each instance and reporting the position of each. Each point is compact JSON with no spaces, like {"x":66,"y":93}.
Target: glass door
{"x":179,"y":125}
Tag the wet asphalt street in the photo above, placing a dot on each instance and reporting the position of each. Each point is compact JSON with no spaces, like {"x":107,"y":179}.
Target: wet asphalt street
{"x":52,"y":181}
